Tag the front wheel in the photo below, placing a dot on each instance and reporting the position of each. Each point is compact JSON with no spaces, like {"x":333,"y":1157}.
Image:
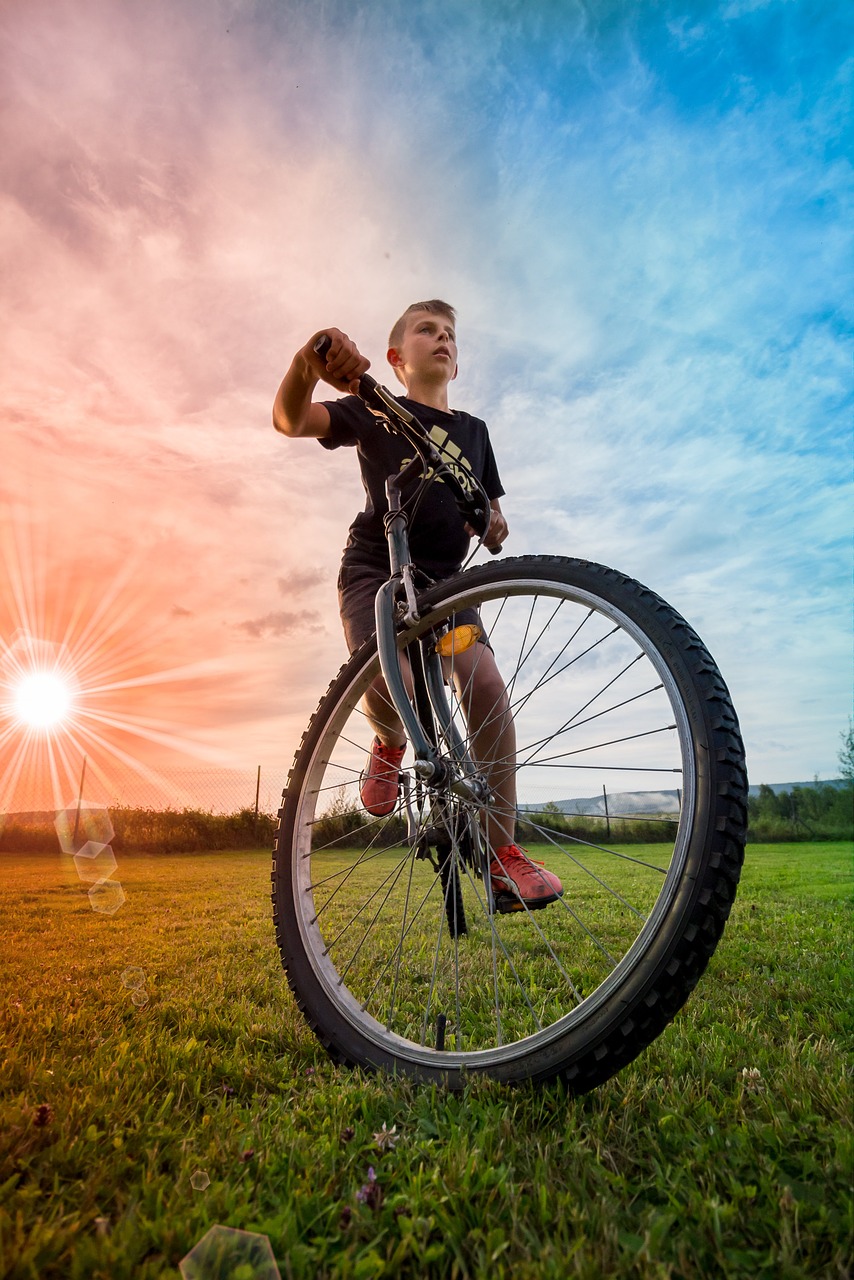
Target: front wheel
{"x":631,"y":788}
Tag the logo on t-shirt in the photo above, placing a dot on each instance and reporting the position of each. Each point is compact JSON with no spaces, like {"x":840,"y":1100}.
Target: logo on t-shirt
{"x":456,"y":462}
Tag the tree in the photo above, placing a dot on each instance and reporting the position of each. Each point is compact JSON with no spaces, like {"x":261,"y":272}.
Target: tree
{"x":846,"y":753}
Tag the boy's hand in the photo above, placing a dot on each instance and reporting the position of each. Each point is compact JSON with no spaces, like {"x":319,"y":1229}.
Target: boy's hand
{"x":497,"y":531}
{"x":343,"y":365}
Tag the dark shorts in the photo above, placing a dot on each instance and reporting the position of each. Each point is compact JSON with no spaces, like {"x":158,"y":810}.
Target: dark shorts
{"x":357,"y":589}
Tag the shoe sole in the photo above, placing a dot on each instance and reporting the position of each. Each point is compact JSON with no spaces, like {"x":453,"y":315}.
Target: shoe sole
{"x":507,"y":902}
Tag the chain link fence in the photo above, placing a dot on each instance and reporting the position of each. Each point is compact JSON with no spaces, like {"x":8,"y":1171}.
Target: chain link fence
{"x":205,"y":788}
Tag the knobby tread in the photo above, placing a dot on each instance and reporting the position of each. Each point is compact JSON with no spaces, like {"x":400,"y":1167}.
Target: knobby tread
{"x":657,"y":996}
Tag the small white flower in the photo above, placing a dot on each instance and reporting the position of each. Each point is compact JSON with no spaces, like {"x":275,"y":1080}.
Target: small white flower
{"x":386,"y":1137}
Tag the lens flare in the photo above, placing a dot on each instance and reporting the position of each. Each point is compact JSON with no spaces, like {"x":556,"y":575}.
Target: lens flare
{"x":43,"y":700}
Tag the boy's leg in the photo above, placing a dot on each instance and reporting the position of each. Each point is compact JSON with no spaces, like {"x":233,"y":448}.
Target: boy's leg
{"x":483,"y":695}
{"x":378,"y":786}
{"x":380,"y":710}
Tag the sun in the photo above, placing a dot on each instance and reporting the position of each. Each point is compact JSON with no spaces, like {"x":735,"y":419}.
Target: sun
{"x":43,"y":700}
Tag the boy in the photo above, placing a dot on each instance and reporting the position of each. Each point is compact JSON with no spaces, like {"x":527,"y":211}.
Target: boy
{"x":422,"y":350}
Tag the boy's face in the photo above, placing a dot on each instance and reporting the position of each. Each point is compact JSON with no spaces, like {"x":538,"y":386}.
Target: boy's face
{"x":427,"y":350}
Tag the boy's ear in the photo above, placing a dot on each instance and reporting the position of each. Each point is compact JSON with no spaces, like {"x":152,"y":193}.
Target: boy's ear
{"x":396,"y":361}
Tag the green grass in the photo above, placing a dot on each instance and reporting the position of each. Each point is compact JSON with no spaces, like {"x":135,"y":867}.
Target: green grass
{"x":679,"y":1167}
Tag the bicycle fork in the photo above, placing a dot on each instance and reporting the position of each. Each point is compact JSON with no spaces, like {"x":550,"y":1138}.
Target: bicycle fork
{"x":459,"y":774}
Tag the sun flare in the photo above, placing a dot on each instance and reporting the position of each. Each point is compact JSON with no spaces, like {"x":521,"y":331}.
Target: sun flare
{"x":43,"y":700}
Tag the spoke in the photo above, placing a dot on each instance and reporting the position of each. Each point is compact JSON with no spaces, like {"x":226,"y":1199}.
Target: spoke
{"x":609,"y":768}
{"x":330,"y":844}
{"x":573,"y":720}
{"x":497,"y":937}
{"x":453,"y":889}
{"x":403,"y":932}
{"x":335,"y":786}
{"x":600,"y":848}
{"x":544,"y":680}
{"x":587,"y":871}
{"x":535,"y":745}
{"x":597,"y":746}
{"x":424,"y":1025}
{"x":395,"y":872}
{"x":391,"y":958}
{"x":547,"y":679}
{"x":363,"y":859}
{"x":510,"y":687}
{"x":365,"y":856}
{"x":524,"y":699}
{"x":666,"y":820}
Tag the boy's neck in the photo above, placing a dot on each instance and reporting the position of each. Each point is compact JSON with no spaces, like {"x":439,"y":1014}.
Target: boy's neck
{"x":433,"y":395}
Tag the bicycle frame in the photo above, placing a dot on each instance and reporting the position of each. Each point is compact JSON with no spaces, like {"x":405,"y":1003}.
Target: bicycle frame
{"x":427,"y":764}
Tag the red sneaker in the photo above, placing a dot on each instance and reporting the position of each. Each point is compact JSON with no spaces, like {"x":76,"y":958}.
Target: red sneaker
{"x":517,"y":882}
{"x":378,"y":784}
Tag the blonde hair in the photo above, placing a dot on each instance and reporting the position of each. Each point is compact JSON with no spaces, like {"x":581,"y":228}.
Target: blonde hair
{"x":435,"y":307}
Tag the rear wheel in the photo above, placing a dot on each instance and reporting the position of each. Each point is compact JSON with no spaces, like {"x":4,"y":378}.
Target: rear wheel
{"x":631,"y":788}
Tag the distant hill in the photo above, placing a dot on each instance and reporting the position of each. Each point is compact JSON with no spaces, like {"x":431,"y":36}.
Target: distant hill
{"x":619,"y":802}
{"x":643,"y":802}
{"x":777,"y":787}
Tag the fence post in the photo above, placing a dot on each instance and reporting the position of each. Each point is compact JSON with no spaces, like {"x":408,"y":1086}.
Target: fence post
{"x":79,"y":802}
{"x":607,"y":815}
{"x":257,"y":793}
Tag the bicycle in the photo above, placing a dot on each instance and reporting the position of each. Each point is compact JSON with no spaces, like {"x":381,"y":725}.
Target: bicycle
{"x":399,"y":952}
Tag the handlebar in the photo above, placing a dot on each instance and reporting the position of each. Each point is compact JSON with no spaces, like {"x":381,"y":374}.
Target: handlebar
{"x":474,"y":510}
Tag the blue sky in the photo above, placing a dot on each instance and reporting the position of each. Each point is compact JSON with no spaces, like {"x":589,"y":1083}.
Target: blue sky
{"x":642,"y":213}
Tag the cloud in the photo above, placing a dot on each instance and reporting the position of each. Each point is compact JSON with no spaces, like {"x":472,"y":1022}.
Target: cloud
{"x":300,"y":581}
{"x":281,"y":623}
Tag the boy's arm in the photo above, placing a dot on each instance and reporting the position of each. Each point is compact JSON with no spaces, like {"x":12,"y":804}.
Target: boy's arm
{"x":293,"y":412}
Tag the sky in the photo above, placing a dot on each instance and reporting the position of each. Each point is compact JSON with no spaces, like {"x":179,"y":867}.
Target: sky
{"x":642,"y":215}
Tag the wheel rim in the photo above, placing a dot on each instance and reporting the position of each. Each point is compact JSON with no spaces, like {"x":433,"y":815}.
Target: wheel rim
{"x":373,"y":917}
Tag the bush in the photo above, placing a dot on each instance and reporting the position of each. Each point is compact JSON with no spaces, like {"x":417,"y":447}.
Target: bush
{"x":820,"y":812}
{"x":344,"y":826}
{"x":153,"y":831}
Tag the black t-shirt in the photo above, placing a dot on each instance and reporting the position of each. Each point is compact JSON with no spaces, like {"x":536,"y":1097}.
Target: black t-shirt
{"x":437,"y":536}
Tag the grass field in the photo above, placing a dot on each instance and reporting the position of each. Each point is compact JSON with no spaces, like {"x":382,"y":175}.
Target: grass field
{"x":724,"y":1150}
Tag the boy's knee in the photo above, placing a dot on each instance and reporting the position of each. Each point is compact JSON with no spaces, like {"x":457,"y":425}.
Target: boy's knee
{"x":487,"y":686}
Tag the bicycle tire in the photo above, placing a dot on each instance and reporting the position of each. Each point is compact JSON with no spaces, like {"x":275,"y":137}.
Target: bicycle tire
{"x":587,"y":1024}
